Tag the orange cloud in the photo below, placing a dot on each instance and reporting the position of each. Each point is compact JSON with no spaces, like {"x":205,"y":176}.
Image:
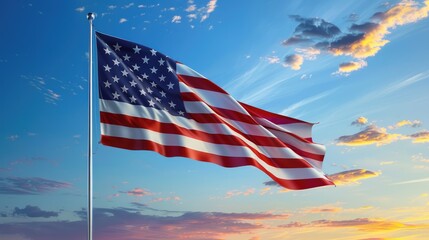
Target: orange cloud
{"x":352,"y":176}
{"x":370,"y":135}
{"x":415,"y":123}
{"x":372,"y":35}
{"x":361,"y":224}
{"x":323,"y":209}
{"x":351,"y":66}
{"x":420,"y":137}
{"x":293,"y":61}
{"x":235,"y":193}
{"x":360,"y":121}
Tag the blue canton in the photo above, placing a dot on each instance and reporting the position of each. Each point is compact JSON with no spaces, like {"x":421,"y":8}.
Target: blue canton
{"x":131,"y":73}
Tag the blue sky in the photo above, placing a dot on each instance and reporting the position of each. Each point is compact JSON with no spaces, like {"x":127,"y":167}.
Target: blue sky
{"x":358,"y":68}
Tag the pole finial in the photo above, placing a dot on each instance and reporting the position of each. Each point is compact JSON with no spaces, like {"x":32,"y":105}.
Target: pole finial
{"x":90,"y":16}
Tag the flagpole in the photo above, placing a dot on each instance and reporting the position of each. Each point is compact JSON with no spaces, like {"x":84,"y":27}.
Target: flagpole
{"x":91,"y":17}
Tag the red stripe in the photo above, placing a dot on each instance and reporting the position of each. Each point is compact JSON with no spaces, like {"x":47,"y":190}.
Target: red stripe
{"x":178,"y":151}
{"x":169,"y":128}
{"x":272,"y":117}
{"x":136,"y":122}
{"x":200,"y":83}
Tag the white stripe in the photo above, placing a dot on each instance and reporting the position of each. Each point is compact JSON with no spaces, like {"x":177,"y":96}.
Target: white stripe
{"x":211,"y":148}
{"x":300,"y":129}
{"x":185,"y":70}
{"x":211,"y":128}
{"x":215,"y":99}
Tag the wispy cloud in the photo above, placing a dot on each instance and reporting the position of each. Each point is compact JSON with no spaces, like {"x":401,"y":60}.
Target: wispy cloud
{"x":138,"y":192}
{"x":235,"y":193}
{"x":289,"y":110}
{"x":176,"y":19}
{"x":352,"y":176}
{"x":80,"y":9}
{"x":30,"y":186}
{"x":413,"y":181}
{"x":361,"y":224}
{"x":122,"y":20}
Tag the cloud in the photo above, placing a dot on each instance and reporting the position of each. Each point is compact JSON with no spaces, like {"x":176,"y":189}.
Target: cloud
{"x":413,"y":181}
{"x":361,"y":224}
{"x":129,"y":224}
{"x":360,"y":121}
{"x":210,"y":7}
{"x":176,"y":19}
{"x":80,"y":9}
{"x":363,"y":40}
{"x":122,"y":20}
{"x":351,"y":66}
{"x":29,"y":186}
{"x":273,"y":59}
{"x":235,"y":193}
{"x":370,"y":135}
{"x":289,"y":110}
{"x":352,"y":176}
{"x":323,"y":209}
{"x":420,"y":137}
{"x":34,"y":211}
{"x":13,"y":138}
{"x":293,"y":61}
{"x":314,"y":27}
{"x":414,"y":124}
{"x":138,"y":192}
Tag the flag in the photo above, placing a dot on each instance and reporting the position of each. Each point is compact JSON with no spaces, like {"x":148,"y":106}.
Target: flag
{"x":149,"y":101}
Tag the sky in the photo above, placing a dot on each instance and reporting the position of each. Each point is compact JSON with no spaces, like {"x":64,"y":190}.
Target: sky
{"x":357,"y":68}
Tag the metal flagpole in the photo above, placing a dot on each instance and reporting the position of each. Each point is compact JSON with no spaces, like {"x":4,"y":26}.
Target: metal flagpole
{"x":91,"y":17}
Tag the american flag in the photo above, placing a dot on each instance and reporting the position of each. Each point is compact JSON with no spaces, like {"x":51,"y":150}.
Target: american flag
{"x":149,"y":101}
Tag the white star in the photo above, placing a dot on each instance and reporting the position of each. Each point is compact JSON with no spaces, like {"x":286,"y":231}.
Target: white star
{"x":157,"y":99}
{"x":162,"y":78}
{"x":145,"y":76}
{"x":153,"y":84}
{"x":172,"y":104}
{"x":170,"y":85}
{"x":124,"y":73}
{"x":149,"y":90}
{"x":116,"y":95}
{"x":107,"y":68}
{"x":153,"y":52}
{"x":145,"y":60}
{"x":133,"y":99}
{"x":133,"y":83}
{"x":137,"y":49}
{"x":136,"y":67}
{"x":115,"y":79}
{"x":142,"y":92}
{"x":151,"y":103}
{"x":126,"y":57}
{"x":107,"y":84}
{"x":153,"y":69}
{"x":163,"y":94}
{"x":124,"y":89}
{"x":107,"y":51}
{"x":170,"y":69}
{"x":181,"y":113}
{"x":117,"y":47}
{"x":115,"y":62}
{"x":161,"y":62}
